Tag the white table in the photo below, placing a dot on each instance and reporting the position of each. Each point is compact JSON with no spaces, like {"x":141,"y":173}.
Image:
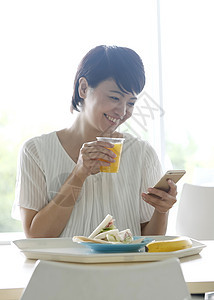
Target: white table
{"x":16,"y":270}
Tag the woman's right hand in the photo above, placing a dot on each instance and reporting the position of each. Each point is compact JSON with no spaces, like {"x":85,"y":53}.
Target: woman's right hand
{"x":92,"y":155}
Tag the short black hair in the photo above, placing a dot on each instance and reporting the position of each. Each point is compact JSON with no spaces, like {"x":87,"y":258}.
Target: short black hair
{"x":121,"y":64}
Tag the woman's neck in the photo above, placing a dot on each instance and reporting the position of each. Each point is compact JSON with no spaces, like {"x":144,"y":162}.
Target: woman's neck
{"x":82,"y":131}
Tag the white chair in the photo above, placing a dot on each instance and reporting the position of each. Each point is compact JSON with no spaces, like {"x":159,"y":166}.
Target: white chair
{"x":195,"y":216}
{"x":62,"y":281}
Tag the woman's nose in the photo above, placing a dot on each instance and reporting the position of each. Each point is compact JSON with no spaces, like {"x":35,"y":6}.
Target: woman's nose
{"x":121,"y":109}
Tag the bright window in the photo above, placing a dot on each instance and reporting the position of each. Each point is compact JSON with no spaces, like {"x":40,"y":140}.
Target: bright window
{"x":188,"y":64}
{"x":42,"y":43}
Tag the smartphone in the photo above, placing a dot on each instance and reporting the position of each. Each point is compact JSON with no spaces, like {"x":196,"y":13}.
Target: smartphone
{"x":174,"y":175}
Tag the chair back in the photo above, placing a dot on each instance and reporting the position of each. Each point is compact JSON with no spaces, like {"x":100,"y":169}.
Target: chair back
{"x":195,"y":216}
{"x":62,"y":281}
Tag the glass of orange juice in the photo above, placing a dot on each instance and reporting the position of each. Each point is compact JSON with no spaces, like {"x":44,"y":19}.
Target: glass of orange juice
{"x":117,"y":149}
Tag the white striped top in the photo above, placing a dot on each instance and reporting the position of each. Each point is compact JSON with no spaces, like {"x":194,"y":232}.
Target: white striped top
{"x":44,"y":166}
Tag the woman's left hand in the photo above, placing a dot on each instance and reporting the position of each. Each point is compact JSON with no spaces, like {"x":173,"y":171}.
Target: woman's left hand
{"x":160,"y":200}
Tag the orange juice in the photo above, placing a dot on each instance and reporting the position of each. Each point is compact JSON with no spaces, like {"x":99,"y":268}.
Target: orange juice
{"x":114,"y":167}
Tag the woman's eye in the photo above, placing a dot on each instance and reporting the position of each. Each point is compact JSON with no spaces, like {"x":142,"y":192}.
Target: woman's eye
{"x":131,"y":103}
{"x":114,"y":98}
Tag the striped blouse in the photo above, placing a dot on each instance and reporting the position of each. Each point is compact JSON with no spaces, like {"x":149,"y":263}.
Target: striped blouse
{"x":44,"y":165}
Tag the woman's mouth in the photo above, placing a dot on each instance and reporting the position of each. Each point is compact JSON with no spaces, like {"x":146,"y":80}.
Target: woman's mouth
{"x":113,"y":120}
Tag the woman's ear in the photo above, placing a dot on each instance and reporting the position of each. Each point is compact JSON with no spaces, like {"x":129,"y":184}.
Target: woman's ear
{"x":83,"y":86}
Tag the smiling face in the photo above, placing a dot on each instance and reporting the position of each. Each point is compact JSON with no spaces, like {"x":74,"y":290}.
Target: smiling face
{"x":106,"y":106}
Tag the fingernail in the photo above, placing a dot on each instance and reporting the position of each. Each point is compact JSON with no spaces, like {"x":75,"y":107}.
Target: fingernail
{"x":143,"y":196}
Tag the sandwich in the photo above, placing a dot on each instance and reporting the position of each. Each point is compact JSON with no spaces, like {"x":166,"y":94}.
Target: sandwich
{"x":126,"y":236}
{"x":106,"y":233}
{"x":106,"y":225}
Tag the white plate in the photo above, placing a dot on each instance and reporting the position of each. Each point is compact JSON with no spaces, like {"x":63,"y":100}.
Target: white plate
{"x":64,"y":249}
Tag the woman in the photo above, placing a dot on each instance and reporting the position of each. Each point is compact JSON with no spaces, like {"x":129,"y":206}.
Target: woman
{"x":60,"y":189}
